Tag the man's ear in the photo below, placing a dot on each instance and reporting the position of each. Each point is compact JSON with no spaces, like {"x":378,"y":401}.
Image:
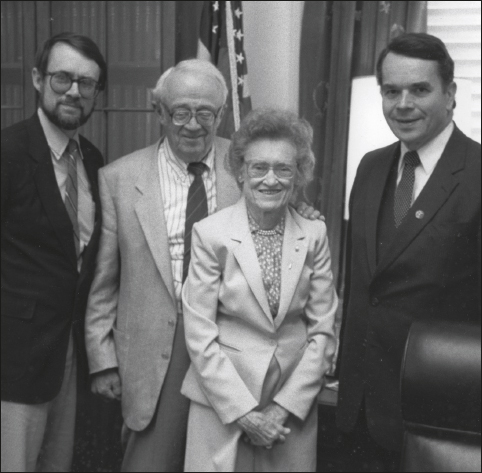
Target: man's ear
{"x":37,"y":79}
{"x":161,"y":112}
{"x":451,"y":91}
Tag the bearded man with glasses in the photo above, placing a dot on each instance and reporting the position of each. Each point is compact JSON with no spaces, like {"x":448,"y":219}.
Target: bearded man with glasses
{"x":150,"y":201}
{"x":50,"y":233}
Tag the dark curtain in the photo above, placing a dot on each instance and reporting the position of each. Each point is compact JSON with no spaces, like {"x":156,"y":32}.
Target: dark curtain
{"x":341,"y":40}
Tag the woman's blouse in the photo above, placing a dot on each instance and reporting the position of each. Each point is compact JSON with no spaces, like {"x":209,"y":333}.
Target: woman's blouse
{"x":269,"y":245}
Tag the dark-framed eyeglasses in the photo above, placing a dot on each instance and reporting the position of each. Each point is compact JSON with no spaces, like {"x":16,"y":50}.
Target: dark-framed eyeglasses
{"x":258,"y":169}
{"x":182,"y":116}
{"x":61,"y":82}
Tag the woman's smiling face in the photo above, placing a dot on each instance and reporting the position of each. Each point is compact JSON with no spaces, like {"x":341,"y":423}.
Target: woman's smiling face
{"x":273,"y":191}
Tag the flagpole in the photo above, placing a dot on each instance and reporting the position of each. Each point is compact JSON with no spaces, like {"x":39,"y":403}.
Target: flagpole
{"x":232,"y":64}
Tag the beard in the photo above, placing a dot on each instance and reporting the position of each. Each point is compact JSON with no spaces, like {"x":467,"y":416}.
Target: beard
{"x":64,"y":121}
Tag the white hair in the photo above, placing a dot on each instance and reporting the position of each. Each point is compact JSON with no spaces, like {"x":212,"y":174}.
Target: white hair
{"x":193,"y":66}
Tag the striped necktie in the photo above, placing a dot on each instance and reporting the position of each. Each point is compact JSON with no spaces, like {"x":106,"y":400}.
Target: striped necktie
{"x":71,"y":155}
{"x":404,"y":192}
{"x":196,"y":209}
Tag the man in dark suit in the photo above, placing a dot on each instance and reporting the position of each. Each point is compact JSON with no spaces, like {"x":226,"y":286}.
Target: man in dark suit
{"x":414,"y":238}
{"x":50,"y":230}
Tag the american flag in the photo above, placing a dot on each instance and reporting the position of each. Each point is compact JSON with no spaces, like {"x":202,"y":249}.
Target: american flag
{"x":221,"y":41}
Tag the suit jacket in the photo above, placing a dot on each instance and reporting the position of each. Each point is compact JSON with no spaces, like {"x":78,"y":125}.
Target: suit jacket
{"x":431,"y":271}
{"x":43,"y":294}
{"x":230,"y":333}
{"x":132,"y":314}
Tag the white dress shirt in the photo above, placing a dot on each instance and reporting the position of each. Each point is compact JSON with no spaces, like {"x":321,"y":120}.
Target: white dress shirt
{"x":175,"y":181}
{"x":58,"y":142}
{"x":429,"y":154}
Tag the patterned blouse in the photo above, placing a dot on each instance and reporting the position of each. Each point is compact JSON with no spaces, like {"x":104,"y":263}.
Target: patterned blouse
{"x":269,"y":244}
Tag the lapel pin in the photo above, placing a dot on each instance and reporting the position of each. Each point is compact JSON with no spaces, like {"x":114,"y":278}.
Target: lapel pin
{"x":297,"y":248}
{"x":289,"y":266}
{"x":419,"y":214}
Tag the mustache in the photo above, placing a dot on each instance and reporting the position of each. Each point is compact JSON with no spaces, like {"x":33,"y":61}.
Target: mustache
{"x":70,"y":102}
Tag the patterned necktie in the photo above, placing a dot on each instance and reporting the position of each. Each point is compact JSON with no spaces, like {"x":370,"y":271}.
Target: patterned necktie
{"x":196,"y":209}
{"x":404,"y":192}
{"x":71,"y":154}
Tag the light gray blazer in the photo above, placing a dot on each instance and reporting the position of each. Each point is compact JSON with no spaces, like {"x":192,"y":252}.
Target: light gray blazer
{"x":230,"y":333}
{"x":131,"y":313}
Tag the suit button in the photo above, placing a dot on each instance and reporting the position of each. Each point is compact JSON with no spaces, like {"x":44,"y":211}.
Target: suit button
{"x":375,"y":302}
{"x":272,"y":342}
{"x":171,"y":323}
{"x":165,"y":355}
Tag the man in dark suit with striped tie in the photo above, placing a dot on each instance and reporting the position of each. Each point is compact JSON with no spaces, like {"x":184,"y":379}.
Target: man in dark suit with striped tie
{"x":49,"y":239}
{"x":414,"y":239}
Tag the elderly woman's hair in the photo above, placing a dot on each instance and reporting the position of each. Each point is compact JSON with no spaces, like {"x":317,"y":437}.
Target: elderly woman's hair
{"x":193,"y":66}
{"x":274,"y":124}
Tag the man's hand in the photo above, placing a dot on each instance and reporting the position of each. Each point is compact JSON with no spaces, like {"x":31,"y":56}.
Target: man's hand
{"x":275,"y":413}
{"x":261,"y":430}
{"x":107,"y":384}
{"x":309,"y":212}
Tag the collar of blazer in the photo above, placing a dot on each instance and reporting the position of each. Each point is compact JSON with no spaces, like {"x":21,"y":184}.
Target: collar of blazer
{"x":438,"y":189}
{"x":150,"y":204}
{"x":292,"y":262}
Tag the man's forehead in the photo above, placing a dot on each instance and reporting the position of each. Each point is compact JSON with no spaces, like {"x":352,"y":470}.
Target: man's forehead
{"x":64,"y":57}
{"x":409,"y":71}
{"x":188,"y":85}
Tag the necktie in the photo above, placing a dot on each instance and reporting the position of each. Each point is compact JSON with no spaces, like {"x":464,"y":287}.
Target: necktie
{"x":196,"y":209}
{"x":404,"y":192}
{"x":71,"y":155}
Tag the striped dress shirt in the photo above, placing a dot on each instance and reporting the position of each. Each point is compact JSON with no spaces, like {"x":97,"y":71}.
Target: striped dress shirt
{"x":175,"y":181}
{"x":58,"y":142}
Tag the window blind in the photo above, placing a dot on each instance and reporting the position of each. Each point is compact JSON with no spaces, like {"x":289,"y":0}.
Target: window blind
{"x":458,"y":25}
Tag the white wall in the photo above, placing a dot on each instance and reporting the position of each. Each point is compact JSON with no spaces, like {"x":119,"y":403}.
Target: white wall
{"x":272,"y":43}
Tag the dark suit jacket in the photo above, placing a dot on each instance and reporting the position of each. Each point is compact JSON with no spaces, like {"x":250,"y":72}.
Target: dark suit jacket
{"x":42,"y":293}
{"x":431,"y":270}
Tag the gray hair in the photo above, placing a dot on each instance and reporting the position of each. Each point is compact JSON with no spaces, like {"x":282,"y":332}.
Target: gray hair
{"x":190,"y":66}
{"x":274,"y":124}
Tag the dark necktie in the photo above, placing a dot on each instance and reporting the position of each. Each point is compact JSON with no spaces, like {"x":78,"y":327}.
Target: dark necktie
{"x":196,"y":209}
{"x":404,"y":192}
{"x":71,"y":154}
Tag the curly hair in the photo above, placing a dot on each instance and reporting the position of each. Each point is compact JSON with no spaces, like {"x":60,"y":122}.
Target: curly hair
{"x":273,"y":124}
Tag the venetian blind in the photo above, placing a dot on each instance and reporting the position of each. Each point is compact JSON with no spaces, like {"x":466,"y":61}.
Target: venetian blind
{"x":458,"y":25}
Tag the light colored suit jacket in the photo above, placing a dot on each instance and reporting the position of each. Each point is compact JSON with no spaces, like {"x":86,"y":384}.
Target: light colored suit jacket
{"x":131,"y":314}
{"x":230,"y":333}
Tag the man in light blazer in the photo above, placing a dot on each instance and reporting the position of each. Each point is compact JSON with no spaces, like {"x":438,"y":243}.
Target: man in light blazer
{"x":414,"y":238}
{"x":134,"y":328}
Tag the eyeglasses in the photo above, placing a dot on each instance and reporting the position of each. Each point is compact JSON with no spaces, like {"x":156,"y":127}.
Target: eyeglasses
{"x":182,"y":116}
{"x":258,"y":169}
{"x":61,"y":82}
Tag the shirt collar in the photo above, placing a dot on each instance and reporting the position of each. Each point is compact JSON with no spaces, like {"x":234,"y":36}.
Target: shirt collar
{"x":255,"y":228}
{"x":56,"y":138}
{"x":431,"y":152}
{"x":179,"y":165}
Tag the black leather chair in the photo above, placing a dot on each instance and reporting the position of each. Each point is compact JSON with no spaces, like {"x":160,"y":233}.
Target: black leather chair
{"x":441,"y":398}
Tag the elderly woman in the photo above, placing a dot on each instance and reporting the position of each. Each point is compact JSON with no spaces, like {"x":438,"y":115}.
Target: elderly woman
{"x":259,"y":306}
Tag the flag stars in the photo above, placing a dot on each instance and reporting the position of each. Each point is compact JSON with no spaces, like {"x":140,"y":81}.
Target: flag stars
{"x":216,"y":6}
{"x":239,"y":34}
{"x":240,"y":58}
{"x":237,"y":12}
{"x":215,"y":29}
{"x":240,"y":81}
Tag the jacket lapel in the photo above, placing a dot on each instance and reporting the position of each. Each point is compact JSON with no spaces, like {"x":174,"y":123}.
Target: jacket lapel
{"x":441,"y":184}
{"x":48,"y":189}
{"x":150,"y":212}
{"x":376,"y":188}
{"x":245,"y":254}
{"x":292,"y":263}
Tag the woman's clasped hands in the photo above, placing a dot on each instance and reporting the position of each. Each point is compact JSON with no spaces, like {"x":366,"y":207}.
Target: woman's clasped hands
{"x":265,"y":428}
